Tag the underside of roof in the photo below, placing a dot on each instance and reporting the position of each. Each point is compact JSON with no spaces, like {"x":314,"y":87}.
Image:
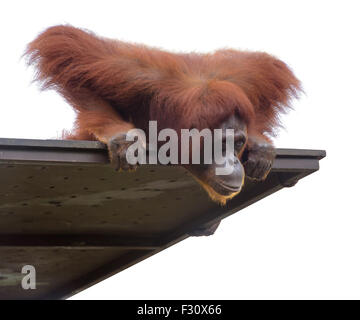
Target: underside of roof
{"x":65,"y":211}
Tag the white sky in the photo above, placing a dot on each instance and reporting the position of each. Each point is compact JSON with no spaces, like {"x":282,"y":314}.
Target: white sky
{"x":299,"y":243}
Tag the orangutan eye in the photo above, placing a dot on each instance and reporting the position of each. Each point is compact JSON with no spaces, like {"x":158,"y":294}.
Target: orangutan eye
{"x":238,"y":144}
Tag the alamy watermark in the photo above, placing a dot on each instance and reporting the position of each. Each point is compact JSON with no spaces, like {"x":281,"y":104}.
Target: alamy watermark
{"x":215,"y":148}
{"x":29,"y":280}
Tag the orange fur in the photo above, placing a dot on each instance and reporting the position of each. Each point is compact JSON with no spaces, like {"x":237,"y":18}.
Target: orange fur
{"x":111,"y":83}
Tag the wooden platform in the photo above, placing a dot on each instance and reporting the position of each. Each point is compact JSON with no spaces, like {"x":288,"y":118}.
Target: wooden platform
{"x":65,"y":211}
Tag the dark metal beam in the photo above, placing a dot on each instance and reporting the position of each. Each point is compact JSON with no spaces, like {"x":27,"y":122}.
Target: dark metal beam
{"x":87,"y":152}
{"x":77,"y":241}
{"x":290,"y":166}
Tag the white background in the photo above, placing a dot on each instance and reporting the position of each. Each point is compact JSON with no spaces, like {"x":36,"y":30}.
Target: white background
{"x":298,"y":243}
